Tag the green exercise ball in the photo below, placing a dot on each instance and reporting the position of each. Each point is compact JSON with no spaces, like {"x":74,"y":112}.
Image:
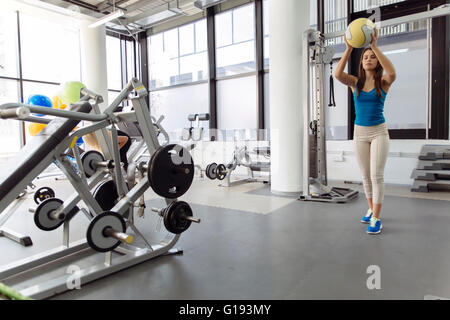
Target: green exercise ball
{"x":70,"y":92}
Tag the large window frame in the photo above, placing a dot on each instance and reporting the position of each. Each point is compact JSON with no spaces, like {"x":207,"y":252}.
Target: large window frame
{"x":21,"y":80}
{"x":440,"y":65}
{"x":124,"y":56}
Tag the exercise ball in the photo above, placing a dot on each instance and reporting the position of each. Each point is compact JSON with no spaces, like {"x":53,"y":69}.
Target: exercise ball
{"x":57,"y":103}
{"x":39,"y":101}
{"x":79,"y":141}
{"x":70,"y":92}
{"x":359,"y":32}
{"x":35,"y":128}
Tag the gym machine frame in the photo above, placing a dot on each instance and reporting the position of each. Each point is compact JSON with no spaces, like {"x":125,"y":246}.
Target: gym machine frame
{"x":315,"y":56}
{"x":131,"y":255}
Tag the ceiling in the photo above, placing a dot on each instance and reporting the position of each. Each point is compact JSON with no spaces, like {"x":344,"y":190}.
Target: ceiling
{"x":139,"y":14}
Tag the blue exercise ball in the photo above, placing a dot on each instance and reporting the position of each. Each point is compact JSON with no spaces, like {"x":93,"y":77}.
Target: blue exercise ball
{"x":79,"y":141}
{"x":40,"y":101}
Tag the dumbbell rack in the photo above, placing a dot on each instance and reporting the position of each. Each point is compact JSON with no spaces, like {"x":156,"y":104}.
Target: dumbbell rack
{"x":433,"y":169}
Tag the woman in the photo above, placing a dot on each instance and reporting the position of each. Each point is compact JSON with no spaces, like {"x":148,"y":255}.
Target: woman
{"x":371,"y":137}
{"x":123,"y":140}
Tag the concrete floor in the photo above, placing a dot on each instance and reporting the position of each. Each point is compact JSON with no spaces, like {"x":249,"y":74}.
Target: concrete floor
{"x":274,"y":248}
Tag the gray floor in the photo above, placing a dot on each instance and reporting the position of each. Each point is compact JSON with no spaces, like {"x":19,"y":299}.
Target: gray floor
{"x":302,"y":250}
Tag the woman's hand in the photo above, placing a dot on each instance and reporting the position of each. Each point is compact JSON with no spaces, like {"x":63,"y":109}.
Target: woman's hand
{"x":374,"y":43}
{"x":349,"y":47}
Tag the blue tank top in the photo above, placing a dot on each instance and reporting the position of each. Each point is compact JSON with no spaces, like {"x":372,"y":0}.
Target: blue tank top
{"x":369,"y":108}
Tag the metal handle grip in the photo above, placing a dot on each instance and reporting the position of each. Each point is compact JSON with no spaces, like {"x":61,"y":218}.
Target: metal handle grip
{"x":110,"y":232}
{"x":15,"y":113}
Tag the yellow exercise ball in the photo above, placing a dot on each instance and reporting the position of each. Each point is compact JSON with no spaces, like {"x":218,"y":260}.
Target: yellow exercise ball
{"x":57,"y":103}
{"x":359,"y":32}
{"x":35,"y":128}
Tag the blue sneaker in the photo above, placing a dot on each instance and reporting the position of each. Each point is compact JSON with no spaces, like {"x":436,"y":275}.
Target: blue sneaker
{"x":375,"y":226}
{"x":366,"y":218}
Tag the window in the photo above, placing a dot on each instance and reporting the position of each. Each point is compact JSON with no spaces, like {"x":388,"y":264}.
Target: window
{"x":131,"y":60}
{"x":178,"y":56}
{"x":10,"y":130}
{"x":335,"y":19}
{"x":236,"y":103}
{"x":113,"y":62}
{"x":406,"y":104}
{"x":176,"y":104}
{"x":361,"y":5}
{"x":50,"y":52}
{"x":266,"y":33}
{"x":8,"y":44}
{"x":235,"y":41}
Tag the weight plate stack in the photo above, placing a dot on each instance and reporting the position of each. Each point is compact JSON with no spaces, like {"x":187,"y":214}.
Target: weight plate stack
{"x":211,"y":171}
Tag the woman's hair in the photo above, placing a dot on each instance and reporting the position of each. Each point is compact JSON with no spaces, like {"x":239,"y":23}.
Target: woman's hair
{"x":362,"y":75}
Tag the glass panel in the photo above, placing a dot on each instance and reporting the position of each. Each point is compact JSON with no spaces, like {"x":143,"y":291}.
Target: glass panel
{"x":9,"y":129}
{"x":335,"y":19}
{"x":237,"y":56}
{"x":360,"y":5}
{"x":130,"y":61}
{"x":266,"y":31}
{"x":113,"y":63}
{"x":267,"y":104}
{"x":224,"y":29}
{"x":244,"y":23}
{"x":201,"y":36}
{"x":194,"y":67}
{"x":50,"y":52}
{"x":31,"y":88}
{"x":187,"y":39}
{"x":236,"y":103}
{"x":313,"y":14}
{"x":166,"y":68}
{"x":405,"y":106}
{"x":176,"y":104}
{"x":171,"y":43}
{"x":8,"y":44}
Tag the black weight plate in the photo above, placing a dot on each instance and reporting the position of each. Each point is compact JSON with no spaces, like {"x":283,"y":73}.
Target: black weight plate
{"x":41,"y":215}
{"x":221,"y":172}
{"x":43,"y":193}
{"x":106,"y":195}
{"x":211,"y":171}
{"x":171,"y":171}
{"x":174,"y":217}
{"x":94,"y":233}
{"x":207,"y":171}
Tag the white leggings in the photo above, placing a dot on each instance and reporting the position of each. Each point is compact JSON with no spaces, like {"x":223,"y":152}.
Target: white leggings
{"x":371,"y":150}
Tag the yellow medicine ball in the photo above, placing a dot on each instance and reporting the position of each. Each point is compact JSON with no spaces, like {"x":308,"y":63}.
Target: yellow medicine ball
{"x":35,"y":128}
{"x":57,"y":103}
{"x":359,"y":32}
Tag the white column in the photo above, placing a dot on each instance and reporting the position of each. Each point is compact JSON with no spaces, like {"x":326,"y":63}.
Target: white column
{"x":288,"y":20}
{"x":93,"y":60}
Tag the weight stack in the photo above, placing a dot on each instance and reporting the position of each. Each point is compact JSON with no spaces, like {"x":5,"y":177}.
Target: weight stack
{"x":312,"y":156}
{"x":433,"y":169}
